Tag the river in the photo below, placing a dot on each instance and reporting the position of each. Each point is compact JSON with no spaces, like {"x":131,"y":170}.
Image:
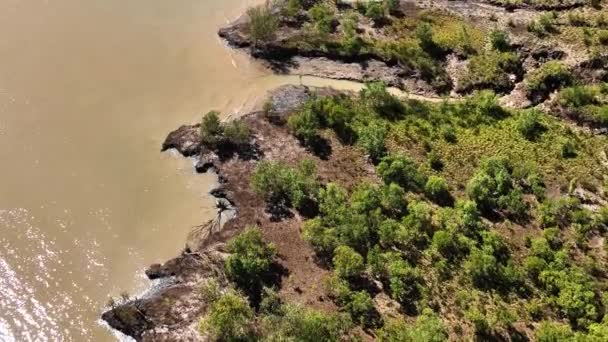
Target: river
{"x":88,"y":90}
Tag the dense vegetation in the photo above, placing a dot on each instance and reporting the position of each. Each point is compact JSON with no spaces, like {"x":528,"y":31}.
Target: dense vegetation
{"x":482,"y":222}
{"x":493,"y":242}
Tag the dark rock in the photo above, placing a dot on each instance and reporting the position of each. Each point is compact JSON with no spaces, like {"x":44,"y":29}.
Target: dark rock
{"x":235,"y":33}
{"x":286,"y":99}
{"x":184,"y":265}
{"x":206,"y":161}
{"x":186,"y":140}
{"x":128,"y":319}
{"x":157,"y":271}
{"x":593,"y":70}
{"x":220,"y":193}
{"x":174,"y":303}
{"x":545,"y":54}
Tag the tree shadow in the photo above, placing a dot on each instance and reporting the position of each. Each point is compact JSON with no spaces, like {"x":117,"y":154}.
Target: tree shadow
{"x":279,"y":210}
{"x":346,"y":135}
{"x":245,"y":152}
{"x":277,"y":63}
{"x":320,"y":147}
{"x":363,"y":283}
{"x":272,"y":279}
{"x":309,"y":208}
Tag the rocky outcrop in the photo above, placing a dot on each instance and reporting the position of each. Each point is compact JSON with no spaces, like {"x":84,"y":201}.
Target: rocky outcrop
{"x":235,"y":34}
{"x":170,"y":310}
{"x":186,"y":140}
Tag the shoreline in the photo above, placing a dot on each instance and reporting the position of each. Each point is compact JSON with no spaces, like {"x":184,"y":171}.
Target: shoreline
{"x":171,"y":310}
{"x":149,"y":318}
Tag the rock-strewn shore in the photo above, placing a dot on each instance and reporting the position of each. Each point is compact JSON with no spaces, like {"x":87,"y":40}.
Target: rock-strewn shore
{"x":170,"y":309}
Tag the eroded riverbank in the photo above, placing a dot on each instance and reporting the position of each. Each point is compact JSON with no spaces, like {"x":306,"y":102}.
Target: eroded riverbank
{"x":172,"y":311}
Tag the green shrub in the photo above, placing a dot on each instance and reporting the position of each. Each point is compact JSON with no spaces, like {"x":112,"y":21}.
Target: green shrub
{"x":393,"y":200}
{"x":324,"y":240}
{"x":365,"y":198}
{"x":237,"y":132}
{"x":541,"y":255}
{"x":514,"y":205}
{"x":552,"y":235}
{"x":492,"y":70}
{"x":211,"y":128}
{"x":372,"y":138}
{"x":577,"y":96}
{"x":210,"y":290}
{"x":585,"y":104}
{"x":557,"y":212}
{"x":404,"y":237}
{"x":391,"y":5}
{"x":351,"y":43}
{"x":307,"y":325}
{"x":554,"y":332}
{"x":374,"y":10}
{"x":573,"y":288}
{"x":402,"y":171}
{"x":482,"y":107}
{"x":534,"y":266}
{"x":424,"y":34}
{"x":380,"y":101}
{"x":250,"y":261}
{"x":449,"y":134}
{"x":409,"y":54}
{"x":482,"y":267}
{"x":450,"y":244}
{"x":271,"y":303}
{"x":419,"y":217}
{"x":530,"y":179}
{"x":280,"y":184}
{"x":530,"y":124}
{"x":437,"y":189}
{"x":347,"y":262}
{"x":304,"y":125}
{"x":361,"y":308}
{"x":577,"y":302}
{"x":467,"y":218}
{"x":428,"y":327}
{"x":333,"y":200}
{"x":323,"y":17}
{"x":229,"y":319}
{"x":499,"y":40}
{"x":536,"y":308}
{"x":544,"y":25}
{"x":602,"y":37}
{"x":480,"y":322}
{"x":263,"y":24}
{"x":492,"y":181}
{"x":435,"y":161}
{"x":405,"y":282}
{"x":576,"y":19}
{"x":568,"y":150}
{"x":388,"y":231}
{"x":358,"y":304}
{"x":549,"y":77}
{"x":292,"y":8}
{"x":598,"y":331}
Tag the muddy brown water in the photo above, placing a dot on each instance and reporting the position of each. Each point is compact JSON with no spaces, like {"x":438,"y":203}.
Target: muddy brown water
{"x":88,"y":90}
